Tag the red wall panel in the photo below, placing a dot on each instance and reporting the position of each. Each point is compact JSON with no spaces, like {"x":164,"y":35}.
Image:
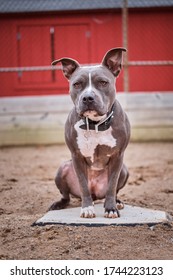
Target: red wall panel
{"x":71,"y":40}
{"x":150,"y":38}
{"x":84,"y":37}
{"x":37,"y":40}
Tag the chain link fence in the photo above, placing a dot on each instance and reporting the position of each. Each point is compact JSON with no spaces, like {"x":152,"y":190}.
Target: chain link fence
{"x":30,"y":41}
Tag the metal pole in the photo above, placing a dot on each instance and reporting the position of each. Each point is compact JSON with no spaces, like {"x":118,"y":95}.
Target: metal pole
{"x":125,"y":44}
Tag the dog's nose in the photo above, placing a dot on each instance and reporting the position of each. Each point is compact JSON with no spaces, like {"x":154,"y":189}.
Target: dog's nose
{"x":88,"y":99}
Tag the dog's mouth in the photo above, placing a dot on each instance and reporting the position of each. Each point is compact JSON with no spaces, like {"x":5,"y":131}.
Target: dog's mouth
{"x":92,"y":112}
{"x":94,"y":121}
{"x":93,"y":115}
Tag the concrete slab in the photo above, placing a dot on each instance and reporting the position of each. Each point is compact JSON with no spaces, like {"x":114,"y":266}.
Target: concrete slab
{"x":130,"y":215}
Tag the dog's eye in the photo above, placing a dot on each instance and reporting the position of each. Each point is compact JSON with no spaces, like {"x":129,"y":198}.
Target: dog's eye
{"x":77,"y":85}
{"x":103,"y":83}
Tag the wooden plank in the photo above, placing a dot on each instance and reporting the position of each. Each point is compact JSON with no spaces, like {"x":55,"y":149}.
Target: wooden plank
{"x":148,"y":100}
{"x":44,"y":121}
{"x":150,"y":117}
{"x":35,"y":104}
{"x":138,"y":118}
{"x":143,"y":134}
{"x":31,"y":137}
{"x":63,"y":103}
{"x":41,"y":120}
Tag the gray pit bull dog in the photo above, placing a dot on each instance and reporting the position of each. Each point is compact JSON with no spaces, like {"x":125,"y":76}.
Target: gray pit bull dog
{"x":97,"y":132}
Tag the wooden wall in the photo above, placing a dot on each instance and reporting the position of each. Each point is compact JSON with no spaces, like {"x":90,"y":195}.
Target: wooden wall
{"x":41,"y":119}
{"x":38,"y":39}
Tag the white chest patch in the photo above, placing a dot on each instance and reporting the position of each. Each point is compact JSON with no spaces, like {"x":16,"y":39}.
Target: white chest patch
{"x":88,"y":140}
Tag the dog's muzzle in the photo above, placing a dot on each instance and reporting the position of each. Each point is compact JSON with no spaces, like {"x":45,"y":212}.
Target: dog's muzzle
{"x":101,"y":125}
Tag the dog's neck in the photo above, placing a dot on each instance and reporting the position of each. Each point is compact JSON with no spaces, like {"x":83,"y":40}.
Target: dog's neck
{"x":98,"y":125}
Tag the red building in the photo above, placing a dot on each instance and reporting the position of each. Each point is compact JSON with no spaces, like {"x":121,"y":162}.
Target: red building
{"x":33,"y":33}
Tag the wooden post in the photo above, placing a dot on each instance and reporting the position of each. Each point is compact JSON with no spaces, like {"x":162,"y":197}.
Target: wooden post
{"x":125,"y":44}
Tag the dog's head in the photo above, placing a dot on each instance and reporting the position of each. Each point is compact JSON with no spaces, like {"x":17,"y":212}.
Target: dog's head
{"x":92,"y":88}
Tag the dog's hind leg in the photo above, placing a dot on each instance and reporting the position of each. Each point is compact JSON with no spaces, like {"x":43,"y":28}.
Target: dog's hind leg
{"x":124,"y":175}
{"x":62,"y":185}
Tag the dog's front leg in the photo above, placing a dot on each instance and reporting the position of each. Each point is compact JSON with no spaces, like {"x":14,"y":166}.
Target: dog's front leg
{"x":114,"y":169}
{"x":87,"y":209}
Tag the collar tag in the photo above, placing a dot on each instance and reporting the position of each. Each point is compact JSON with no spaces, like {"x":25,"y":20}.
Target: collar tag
{"x":87,"y":124}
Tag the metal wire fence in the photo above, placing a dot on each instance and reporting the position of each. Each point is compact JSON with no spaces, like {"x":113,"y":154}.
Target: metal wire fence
{"x":29,"y":42}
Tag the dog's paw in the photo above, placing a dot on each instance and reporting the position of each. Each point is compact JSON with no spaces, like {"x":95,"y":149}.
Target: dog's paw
{"x":113,"y":213}
{"x":119,"y":204}
{"x":87,"y":212}
{"x":59,"y":204}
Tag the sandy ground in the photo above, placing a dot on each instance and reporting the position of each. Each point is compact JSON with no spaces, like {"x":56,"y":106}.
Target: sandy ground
{"x":27,"y":190}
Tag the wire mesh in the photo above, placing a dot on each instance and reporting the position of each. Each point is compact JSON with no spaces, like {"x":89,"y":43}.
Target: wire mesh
{"x":30,"y":41}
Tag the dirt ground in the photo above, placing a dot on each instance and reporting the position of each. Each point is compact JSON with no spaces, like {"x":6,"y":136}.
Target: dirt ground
{"x":27,"y":190}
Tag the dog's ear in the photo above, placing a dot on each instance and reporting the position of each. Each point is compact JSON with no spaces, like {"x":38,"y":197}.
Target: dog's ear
{"x":68,"y":66}
{"x":113,"y":60}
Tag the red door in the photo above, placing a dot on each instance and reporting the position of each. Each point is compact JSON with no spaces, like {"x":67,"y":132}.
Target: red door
{"x":38,"y":41}
{"x":71,"y":40}
{"x":39,"y":45}
{"x":33,"y":49}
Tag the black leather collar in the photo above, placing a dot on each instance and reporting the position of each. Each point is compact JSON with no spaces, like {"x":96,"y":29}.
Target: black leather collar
{"x":100,"y":125}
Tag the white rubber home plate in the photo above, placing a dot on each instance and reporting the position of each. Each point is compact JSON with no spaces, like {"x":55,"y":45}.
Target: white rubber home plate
{"x":130,"y":215}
